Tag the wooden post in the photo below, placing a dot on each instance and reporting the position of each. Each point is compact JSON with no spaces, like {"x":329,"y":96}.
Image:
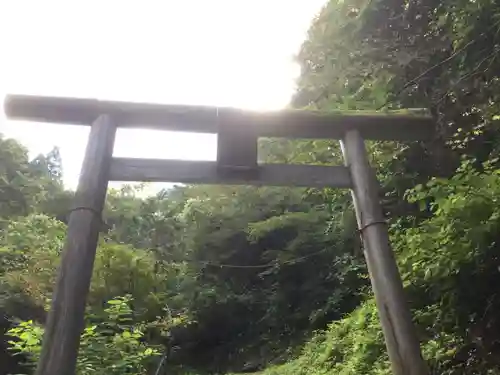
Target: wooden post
{"x":66,"y":318}
{"x":400,"y":335}
{"x":236,"y":151}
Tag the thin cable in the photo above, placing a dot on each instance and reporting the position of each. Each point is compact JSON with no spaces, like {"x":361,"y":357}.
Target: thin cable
{"x":449,"y":58}
{"x":163,"y":359}
{"x":492,"y":55}
{"x":257,"y":266}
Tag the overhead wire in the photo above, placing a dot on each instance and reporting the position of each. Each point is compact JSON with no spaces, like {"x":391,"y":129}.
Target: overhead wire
{"x":416,"y":79}
{"x":267,"y":265}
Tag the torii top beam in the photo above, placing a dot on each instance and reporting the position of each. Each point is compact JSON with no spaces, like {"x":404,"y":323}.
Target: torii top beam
{"x":406,"y":125}
{"x":238,"y":132}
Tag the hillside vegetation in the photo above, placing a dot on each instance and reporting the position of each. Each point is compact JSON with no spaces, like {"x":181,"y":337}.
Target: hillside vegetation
{"x":224,"y":279}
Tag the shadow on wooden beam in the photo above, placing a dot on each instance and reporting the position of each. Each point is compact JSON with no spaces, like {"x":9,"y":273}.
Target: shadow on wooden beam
{"x":207,"y":172}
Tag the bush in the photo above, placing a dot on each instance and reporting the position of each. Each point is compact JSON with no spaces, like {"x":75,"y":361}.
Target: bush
{"x":110,"y":344}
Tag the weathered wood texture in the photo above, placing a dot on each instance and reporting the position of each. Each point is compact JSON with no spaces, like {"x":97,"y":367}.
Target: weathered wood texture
{"x":399,"y":332}
{"x":400,"y":125}
{"x":207,"y":172}
{"x":66,"y":317}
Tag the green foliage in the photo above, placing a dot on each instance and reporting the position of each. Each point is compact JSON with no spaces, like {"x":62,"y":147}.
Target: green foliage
{"x":353,"y":345}
{"x":111,"y":344}
{"x":17,"y":188}
{"x":455,"y":245}
{"x":251,"y":253}
{"x":29,"y":248}
{"x":227,"y":278}
{"x":26,"y":185}
{"x":32,"y":248}
{"x":465,"y":213}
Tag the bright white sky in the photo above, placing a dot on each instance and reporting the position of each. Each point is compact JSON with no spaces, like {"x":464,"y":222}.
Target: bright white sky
{"x":235,"y":53}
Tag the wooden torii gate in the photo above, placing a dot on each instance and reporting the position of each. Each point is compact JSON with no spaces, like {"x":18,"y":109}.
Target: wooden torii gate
{"x":238,"y":132}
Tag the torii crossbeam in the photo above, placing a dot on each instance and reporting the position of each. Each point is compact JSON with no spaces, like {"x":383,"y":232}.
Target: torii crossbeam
{"x":238,"y":132}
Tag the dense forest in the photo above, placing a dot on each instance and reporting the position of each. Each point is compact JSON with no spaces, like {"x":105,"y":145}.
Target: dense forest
{"x":223,"y":279}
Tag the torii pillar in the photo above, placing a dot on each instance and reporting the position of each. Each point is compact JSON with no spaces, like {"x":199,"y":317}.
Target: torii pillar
{"x":238,"y":132}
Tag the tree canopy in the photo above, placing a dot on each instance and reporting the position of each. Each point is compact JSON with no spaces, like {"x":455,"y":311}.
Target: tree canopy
{"x":232,"y":279}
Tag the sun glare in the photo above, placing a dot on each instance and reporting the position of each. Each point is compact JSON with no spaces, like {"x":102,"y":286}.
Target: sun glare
{"x":220,"y":53}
